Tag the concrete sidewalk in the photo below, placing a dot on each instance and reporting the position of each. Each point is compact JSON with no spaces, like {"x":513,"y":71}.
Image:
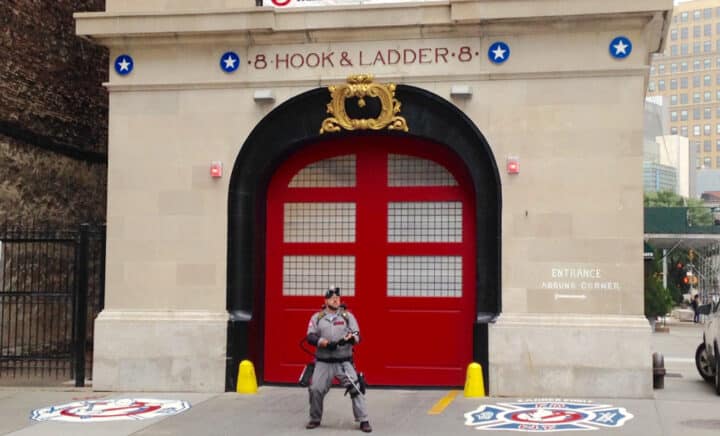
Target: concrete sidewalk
{"x":687,"y":406}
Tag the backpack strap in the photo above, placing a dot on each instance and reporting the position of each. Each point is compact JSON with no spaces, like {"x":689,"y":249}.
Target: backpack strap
{"x":343,"y":313}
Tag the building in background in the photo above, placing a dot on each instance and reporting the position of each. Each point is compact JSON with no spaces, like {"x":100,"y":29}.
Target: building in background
{"x":687,"y":75}
{"x":665,"y":157}
{"x":656,"y":122}
{"x":706,"y":180}
{"x":687,"y":78}
{"x":658,"y":177}
{"x":673,"y":151}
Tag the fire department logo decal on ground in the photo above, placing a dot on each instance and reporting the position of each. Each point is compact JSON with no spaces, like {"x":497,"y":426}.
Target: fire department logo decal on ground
{"x":546,"y":416}
{"x":110,"y":410}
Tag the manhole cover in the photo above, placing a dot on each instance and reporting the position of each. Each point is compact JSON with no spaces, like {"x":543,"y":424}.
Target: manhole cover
{"x":673,"y":375}
{"x":711,"y":424}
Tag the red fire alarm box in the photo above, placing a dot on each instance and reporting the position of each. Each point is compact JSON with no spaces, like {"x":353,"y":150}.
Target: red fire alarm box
{"x":216,"y":169}
{"x":513,"y":165}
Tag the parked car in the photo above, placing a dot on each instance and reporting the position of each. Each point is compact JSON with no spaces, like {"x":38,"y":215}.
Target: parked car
{"x":707,"y":355}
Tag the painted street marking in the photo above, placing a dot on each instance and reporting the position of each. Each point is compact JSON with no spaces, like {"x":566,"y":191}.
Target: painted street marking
{"x":110,"y":410}
{"x":440,"y":406}
{"x":544,"y":415}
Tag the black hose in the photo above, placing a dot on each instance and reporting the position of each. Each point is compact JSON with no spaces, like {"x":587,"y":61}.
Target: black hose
{"x":302,"y":347}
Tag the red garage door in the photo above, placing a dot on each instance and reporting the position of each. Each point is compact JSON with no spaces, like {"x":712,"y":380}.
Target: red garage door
{"x":390,"y":221}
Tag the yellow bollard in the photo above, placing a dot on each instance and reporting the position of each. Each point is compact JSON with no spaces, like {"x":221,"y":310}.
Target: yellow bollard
{"x":246,"y":381}
{"x":474,"y":383}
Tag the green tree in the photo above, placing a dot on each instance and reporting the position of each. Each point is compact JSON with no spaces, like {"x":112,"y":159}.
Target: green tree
{"x":664,"y":199}
{"x":698,"y":213}
{"x":658,"y":300}
{"x":677,"y":267}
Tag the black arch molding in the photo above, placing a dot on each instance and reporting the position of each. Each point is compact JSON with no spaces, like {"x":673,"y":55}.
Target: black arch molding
{"x":296,"y":123}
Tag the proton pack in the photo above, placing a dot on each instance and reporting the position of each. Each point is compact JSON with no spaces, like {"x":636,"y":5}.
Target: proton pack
{"x":305,"y":378}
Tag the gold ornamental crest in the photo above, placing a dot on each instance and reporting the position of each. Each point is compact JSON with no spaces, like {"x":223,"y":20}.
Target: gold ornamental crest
{"x":360,"y":86}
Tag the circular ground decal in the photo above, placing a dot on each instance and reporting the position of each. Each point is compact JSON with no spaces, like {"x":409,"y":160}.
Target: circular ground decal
{"x":547,"y":416}
{"x":110,"y":410}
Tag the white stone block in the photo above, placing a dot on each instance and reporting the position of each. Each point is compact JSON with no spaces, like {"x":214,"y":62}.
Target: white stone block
{"x":160,"y":351}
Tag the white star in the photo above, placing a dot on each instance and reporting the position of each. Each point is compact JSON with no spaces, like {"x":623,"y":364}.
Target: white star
{"x":229,"y":62}
{"x":124,"y":64}
{"x":620,"y":48}
{"x":499,"y":52}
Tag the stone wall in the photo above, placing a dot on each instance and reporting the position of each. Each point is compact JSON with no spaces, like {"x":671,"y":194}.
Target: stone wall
{"x":44,"y":188}
{"x":53,"y":115}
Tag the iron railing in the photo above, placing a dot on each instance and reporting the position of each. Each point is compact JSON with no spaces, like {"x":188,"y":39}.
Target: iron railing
{"x":52,"y":283}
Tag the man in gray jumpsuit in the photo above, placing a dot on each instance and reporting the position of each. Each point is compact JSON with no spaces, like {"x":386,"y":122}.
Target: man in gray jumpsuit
{"x":334,"y":331}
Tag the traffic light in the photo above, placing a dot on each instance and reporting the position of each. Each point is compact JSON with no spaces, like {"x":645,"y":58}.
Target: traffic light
{"x":678,"y":277}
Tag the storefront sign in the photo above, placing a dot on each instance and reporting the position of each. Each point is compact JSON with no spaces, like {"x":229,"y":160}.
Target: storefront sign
{"x":578,"y":279}
{"x":352,"y":58}
{"x":547,"y":416}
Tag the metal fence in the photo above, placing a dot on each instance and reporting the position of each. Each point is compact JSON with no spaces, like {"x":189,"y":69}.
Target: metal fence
{"x":682,"y":220}
{"x":51,"y":289}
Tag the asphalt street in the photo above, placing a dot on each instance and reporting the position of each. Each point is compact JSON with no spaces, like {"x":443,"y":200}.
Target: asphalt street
{"x":686,"y":406}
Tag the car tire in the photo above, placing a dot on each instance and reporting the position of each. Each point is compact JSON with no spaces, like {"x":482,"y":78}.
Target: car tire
{"x":703,"y":364}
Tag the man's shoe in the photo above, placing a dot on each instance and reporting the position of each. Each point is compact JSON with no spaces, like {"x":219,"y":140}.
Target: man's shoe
{"x":365,"y":426}
{"x":312,"y":424}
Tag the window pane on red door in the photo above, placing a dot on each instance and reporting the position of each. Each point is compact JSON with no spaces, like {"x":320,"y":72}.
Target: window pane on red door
{"x":328,"y":173}
{"x":414,"y":171}
{"x":439,"y":221}
{"x":424,"y":276}
{"x":319,"y":222}
{"x":311,"y":275}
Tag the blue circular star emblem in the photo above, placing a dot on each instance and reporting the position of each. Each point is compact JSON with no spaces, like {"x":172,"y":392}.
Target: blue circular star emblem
{"x":498,"y":52}
{"x":620,"y":47}
{"x":229,"y":61}
{"x":124,"y":64}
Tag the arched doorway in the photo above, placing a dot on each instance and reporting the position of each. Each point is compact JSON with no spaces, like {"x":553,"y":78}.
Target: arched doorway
{"x":390,"y":220}
{"x":284,"y":133}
